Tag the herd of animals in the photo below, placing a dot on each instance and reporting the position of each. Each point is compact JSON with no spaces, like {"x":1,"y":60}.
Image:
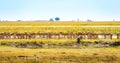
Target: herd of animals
{"x":60,"y":35}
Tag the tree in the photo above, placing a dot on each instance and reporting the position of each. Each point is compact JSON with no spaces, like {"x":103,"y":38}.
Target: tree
{"x":18,"y":20}
{"x":57,"y":18}
{"x":113,"y":19}
{"x":89,"y":20}
{"x":51,"y":19}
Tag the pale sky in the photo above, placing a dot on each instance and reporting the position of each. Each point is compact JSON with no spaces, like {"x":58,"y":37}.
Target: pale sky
{"x":97,"y":10}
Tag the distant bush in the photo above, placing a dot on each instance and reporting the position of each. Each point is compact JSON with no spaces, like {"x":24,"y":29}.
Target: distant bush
{"x":57,"y":18}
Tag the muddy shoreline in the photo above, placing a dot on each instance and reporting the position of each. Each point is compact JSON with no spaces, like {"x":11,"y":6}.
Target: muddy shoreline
{"x":60,"y":45}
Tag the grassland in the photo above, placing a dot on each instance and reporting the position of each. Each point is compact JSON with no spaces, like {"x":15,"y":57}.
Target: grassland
{"x":57,"y":54}
{"x":86,"y":55}
{"x":56,"y":27}
{"x":56,"y":41}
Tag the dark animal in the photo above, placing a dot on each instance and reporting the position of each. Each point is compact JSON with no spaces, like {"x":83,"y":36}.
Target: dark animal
{"x":78,"y":40}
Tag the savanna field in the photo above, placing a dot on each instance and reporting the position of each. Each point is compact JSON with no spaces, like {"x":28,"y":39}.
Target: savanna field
{"x":60,"y":50}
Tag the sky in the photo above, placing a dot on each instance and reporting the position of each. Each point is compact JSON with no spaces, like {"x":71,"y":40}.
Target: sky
{"x":67,"y":10}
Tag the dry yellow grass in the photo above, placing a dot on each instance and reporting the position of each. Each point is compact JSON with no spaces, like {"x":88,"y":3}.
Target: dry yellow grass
{"x":87,"y":55}
{"x":58,"y":55}
{"x":56,"y":27}
{"x":55,"y":41}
